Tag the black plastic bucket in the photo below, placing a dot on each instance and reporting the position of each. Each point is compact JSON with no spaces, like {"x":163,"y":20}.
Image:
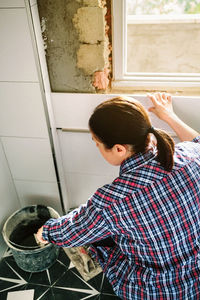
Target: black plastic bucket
{"x":18,"y":233}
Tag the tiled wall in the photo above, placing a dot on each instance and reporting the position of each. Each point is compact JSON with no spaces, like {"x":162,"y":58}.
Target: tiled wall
{"x":24,"y":136}
{"x":85,"y":169}
{"x":8,"y":197}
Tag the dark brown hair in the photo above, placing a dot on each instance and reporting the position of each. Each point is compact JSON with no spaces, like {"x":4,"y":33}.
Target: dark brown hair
{"x":126,"y":121}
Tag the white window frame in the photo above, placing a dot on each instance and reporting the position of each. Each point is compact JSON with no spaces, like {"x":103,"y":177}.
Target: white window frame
{"x":121,"y":78}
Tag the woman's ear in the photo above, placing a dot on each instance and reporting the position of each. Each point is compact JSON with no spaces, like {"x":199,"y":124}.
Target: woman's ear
{"x":120,"y":150}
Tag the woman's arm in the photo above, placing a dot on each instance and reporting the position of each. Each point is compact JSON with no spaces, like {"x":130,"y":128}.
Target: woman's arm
{"x":163,"y":109}
{"x":82,"y":226}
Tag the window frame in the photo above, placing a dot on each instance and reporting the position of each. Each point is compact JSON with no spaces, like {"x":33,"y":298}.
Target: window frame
{"x":124,"y":80}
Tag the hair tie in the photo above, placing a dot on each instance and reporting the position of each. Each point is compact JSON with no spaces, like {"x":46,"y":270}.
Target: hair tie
{"x":151,"y":129}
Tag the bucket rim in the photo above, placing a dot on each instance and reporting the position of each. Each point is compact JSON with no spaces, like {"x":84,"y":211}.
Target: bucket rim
{"x":8,"y":242}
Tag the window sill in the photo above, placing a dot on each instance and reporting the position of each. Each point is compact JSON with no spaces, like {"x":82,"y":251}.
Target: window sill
{"x":174,"y":87}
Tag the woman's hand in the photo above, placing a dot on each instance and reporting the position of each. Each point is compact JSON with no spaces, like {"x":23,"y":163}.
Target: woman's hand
{"x":39,"y":236}
{"x":162,"y":108}
{"x":162,"y":105}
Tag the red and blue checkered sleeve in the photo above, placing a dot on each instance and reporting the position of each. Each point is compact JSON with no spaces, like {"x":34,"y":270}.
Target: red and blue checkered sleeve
{"x":196,"y":139}
{"x":82,"y":226}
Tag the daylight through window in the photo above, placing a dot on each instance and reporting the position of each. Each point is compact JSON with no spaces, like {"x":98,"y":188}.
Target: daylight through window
{"x":160,"y":41}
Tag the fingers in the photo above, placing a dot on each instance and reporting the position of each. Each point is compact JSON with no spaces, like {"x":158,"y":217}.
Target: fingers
{"x":161,"y":98}
{"x":39,"y":236}
{"x":162,"y":105}
{"x":169,"y":98}
{"x":153,"y":98}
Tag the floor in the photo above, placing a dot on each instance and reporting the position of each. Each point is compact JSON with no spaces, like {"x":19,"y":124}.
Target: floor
{"x":62,"y":281}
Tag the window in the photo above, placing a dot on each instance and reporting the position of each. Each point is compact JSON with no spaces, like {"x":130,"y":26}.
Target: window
{"x":156,"y":44}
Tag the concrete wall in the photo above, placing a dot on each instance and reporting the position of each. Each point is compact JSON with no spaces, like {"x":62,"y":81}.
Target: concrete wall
{"x":76,"y":38}
{"x":164,"y":48}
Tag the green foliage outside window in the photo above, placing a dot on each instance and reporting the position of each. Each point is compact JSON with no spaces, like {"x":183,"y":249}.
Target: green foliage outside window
{"x":157,"y":7}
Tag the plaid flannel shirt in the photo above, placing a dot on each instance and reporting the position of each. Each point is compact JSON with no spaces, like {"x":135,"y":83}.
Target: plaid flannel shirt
{"x":154,"y":218}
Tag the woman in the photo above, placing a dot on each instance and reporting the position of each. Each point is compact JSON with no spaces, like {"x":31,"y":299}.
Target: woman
{"x":144,"y":227}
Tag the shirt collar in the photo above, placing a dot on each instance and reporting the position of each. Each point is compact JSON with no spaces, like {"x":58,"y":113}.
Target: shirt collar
{"x":137,"y":160}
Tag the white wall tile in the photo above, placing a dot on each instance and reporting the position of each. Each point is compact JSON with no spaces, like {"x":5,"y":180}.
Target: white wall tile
{"x":29,"y":159}
{"x":11,"y":3}
{"x":81,"y":155}
{"x":74,"y":110}
{"x":81,"y":187}
{"x":8,"y":195}
{"x":17,"y":57}
{"x":22,"y":111}
{"x":84,"y":167}
{"x":188,"y":109}
{"x":40,"y":193}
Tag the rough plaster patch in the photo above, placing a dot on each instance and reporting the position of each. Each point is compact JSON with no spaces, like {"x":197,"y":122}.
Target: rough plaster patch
{"x":91,"y":58}
{"x":90,"y":23}
{"x":103,"y":3}
{"x":92,"y":3}
{"x":43,"y":29}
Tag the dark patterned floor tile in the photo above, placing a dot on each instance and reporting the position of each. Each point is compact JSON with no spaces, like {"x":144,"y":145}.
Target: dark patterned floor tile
{"x":4,"y":292}
{"x":57,"y":271}
{"x":72,"y":283}
{"x":108,"y":297}
{"x":59,"y":282}
{"x":8,"y":258}
{"x":39,"y":291}
{"x":7,"y":253}
{"x":106,"y":287}
{"x":93,"y":297}
{"x":12,"y":278}
{"x":40,"y":278}
{"x":55,"y":274}
{"x":48,"y":295}
{"x":71,"y":280}
{"x":64,"y":258}
{"x":6,"y":285}
{"x":17,"y":270}
{"x":97,"y":281}
{"x":6,"y":271}
{"x":71,"y":294}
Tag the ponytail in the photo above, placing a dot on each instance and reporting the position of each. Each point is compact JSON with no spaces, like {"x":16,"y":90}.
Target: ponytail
{"x":165,"y":146}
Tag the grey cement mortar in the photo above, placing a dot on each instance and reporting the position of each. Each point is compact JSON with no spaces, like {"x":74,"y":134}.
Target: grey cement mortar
{"x":62,"y":44}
